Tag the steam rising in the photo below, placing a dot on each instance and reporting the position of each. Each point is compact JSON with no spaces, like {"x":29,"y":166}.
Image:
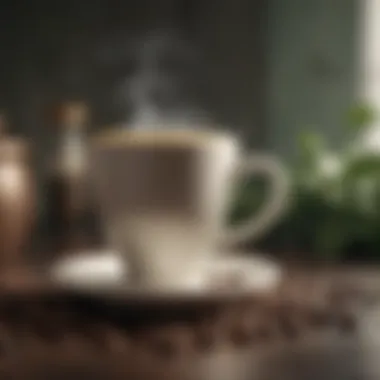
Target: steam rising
{"x":162,"y":92}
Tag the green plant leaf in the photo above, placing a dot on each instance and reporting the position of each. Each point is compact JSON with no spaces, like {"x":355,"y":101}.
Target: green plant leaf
{"x":310,"y":142}
{"x":360,"y":117}
{"x":311,"y":147}
{"x":363,"y":166}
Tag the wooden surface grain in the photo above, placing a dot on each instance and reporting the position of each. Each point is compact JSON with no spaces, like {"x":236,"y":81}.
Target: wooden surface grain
{"x":311,"y":321}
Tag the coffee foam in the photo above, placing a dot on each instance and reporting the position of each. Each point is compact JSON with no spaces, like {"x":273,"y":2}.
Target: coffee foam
{"x":162,"y":137}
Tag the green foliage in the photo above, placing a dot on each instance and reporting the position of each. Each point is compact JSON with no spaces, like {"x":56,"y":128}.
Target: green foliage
{"x":359,"y":117}
{"x":346,"y":186}
{"x":336,"y":202}
{"x":249,"y":199}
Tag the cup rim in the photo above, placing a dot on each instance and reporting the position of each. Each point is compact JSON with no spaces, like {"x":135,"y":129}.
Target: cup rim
{"x":119,"y":136}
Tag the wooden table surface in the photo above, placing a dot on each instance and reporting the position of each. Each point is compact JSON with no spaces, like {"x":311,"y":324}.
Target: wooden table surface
{"x":43,"y":333}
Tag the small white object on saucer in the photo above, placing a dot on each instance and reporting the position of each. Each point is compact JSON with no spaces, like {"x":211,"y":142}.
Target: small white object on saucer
{"x":106,"y":274}
{"x":89,"y":267}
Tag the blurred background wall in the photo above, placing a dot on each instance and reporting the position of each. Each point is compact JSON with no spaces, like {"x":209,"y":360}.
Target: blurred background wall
{"x":270,"y":67}
{"x":265,"y":68}
{"x":50,"y":53}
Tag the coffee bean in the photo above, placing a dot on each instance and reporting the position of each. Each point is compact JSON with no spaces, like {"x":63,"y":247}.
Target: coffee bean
{"x":166,"y":342}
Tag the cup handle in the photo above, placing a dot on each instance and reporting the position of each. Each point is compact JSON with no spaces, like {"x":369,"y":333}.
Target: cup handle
{"x":259,"y":224}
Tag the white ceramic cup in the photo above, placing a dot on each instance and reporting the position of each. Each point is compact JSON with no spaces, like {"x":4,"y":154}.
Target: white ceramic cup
{"x":164,"y":196}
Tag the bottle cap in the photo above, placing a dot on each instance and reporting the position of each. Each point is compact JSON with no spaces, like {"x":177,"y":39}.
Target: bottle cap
{"x":73,"y":114}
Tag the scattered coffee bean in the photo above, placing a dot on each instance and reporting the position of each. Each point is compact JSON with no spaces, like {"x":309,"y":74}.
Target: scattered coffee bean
{"x":167,"y":342}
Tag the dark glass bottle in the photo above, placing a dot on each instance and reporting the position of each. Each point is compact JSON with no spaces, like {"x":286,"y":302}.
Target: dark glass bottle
{"x":68,"y":194}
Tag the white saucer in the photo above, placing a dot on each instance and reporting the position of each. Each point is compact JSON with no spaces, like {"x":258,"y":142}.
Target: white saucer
{"x":104,"y":274}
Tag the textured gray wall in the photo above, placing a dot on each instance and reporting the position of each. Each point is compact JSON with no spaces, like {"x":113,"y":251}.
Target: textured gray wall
{"x":52,"y":51}
{"x":267,"y":68}
{"x":312,"y":69}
